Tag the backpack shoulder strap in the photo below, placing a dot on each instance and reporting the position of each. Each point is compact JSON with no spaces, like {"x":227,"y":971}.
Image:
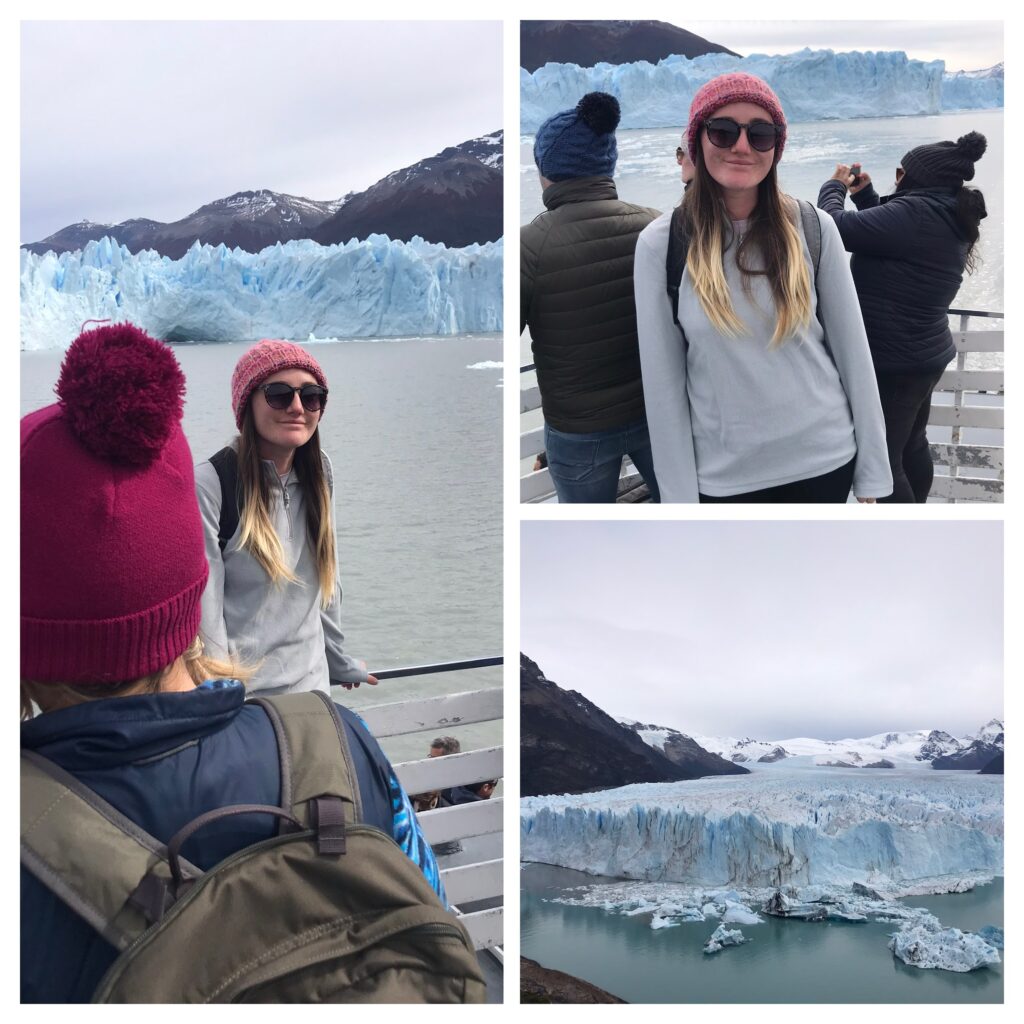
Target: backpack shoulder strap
{"x":93,"y":858}
{"x":328,"y":472}
{"x":226,"y":463}
{"x":318,"y":776}
{"x":812,"y":233}
{"x":675,"y":261}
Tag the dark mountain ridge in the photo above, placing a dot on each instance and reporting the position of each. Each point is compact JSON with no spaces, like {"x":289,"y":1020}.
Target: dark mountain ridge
{"x":569,"y":745}
{"x":587,"y":43}
{"x":454,"y":197}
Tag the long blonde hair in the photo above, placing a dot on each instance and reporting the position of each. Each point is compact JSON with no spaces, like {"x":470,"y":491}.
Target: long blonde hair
{"x":199,"y":666}
{"x":772,"y":231}
{"x":258,"y":535}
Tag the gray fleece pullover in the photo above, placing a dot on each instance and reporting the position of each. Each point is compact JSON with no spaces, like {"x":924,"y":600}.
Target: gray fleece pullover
{"x":247,"y":618}
{"x":728,"y":415}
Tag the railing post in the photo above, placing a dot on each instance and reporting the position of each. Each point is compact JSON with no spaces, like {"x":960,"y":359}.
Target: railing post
{"x":958,"y":397}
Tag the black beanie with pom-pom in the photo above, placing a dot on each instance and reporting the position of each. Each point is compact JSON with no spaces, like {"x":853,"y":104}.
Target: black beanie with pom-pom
{"x":579,"y":143}
{"x":945,"y":163}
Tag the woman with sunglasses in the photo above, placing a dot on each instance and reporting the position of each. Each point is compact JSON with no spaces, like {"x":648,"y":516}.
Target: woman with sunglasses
{"x":273,"y":599}
{"x":762,"y":390}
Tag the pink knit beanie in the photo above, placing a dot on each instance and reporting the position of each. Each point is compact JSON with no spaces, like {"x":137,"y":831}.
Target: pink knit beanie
{"x":735,"y":87}
{"x":113,"y":564}
{"x":263,"y":359}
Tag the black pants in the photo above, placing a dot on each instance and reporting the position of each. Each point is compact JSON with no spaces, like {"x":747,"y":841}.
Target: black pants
{"x":906,"y":403}
{"x":831,"y":487}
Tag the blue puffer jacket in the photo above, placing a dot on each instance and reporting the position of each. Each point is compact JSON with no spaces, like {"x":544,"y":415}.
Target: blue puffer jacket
{"x":162,"y":760}
{"x":908,"y":262}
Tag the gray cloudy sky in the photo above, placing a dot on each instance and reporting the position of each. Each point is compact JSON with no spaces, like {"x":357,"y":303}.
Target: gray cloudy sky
{"x":154,"y":119}
{"x":963,"y":45}
{"x":771,"y":629}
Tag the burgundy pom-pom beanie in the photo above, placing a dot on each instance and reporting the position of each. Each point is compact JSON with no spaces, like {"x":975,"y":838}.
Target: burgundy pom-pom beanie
{"x":263,"y":359}
{"x":735,"y":87}
{"x":113,"y":564}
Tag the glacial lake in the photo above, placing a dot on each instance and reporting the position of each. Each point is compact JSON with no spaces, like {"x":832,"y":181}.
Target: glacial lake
{"x":786,"y":961}
{"x":413,"y":429}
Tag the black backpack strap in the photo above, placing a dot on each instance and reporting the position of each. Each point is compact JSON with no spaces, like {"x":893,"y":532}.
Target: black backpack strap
{"x":812,"y":235}
{"x":225,"y":462}
{"x":94,"y":859}
{"x":675,"y":262}
{"x":318,"y":777}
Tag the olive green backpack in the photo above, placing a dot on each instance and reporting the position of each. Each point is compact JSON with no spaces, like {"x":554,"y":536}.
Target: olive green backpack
{"x":328,"y":911}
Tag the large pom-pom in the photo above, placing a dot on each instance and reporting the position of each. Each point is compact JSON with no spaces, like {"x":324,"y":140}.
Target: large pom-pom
{"x":600,"y":112}
{"x":972,"y":145}
{"x":122,"y":392}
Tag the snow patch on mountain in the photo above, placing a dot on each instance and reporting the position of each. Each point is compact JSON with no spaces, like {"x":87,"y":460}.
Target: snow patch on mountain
{"x":812,"y":85}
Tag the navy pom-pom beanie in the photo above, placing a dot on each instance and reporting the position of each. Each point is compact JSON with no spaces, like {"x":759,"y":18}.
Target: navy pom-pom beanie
{"x":579,"y":143}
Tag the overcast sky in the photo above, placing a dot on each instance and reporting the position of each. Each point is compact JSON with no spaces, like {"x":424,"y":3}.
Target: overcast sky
{"x":771,"y":630}
{"x":963,"y":45}
{"x":154,"y":119}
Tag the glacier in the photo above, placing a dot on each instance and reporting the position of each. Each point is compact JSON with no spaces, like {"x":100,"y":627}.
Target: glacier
{"x":370,"y":288}
{"x":896,"y":831}
{"x":812,"y":85}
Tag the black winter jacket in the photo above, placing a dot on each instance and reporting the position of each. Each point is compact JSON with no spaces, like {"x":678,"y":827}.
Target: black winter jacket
{"x":576,"y":295}
{"x":162,"y":760}
{"x":908,"y":262}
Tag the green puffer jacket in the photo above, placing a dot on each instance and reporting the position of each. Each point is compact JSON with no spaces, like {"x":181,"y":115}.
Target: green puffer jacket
{"x":576,"y":296}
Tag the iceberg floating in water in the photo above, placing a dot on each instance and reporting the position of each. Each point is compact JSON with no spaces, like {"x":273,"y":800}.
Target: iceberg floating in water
{"x":945,"y":949}
{"x":371,"y":288}
{"x":722,"y":937}
{"x":775,"y":828}
{"x":812,"y":85}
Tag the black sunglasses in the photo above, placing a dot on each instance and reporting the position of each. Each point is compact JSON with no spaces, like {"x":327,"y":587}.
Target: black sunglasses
{"x":279,"y":396}
{"x":724,"y":133}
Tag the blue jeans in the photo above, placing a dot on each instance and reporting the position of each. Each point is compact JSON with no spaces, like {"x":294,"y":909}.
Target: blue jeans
{"x":585,"y":467}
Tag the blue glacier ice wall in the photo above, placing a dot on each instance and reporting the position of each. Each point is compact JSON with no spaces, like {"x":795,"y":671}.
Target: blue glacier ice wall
{"x":370,"y":288}
{"x":829,"y":835}
{"x":812,"y":85}
{"x":973,"y":90}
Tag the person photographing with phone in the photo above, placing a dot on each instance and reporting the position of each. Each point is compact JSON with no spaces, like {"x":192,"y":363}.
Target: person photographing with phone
{"x":910,"y":251}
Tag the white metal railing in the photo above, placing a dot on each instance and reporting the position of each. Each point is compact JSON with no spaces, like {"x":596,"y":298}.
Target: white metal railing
{"x":962,"y":459}
{"x":472,"y":875}
{"x":975,"y":471}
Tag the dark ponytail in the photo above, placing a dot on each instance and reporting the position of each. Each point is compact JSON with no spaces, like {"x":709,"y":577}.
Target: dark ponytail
{"x":970,"y":212}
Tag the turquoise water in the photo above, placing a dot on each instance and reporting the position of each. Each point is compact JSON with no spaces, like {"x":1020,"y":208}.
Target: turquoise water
{"x":785,"y":962}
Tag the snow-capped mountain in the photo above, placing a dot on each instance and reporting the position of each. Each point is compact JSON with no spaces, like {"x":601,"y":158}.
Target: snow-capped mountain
{"x":812,"y":85}
{"x":453,"y":198}
{"x":885,"y":750}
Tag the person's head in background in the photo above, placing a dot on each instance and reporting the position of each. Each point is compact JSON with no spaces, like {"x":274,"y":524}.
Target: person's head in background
{"x":443,"y":746}
{"x":579,"y":143}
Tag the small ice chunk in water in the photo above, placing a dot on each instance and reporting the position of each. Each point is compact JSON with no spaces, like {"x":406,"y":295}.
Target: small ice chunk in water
{"x":722,"y":937}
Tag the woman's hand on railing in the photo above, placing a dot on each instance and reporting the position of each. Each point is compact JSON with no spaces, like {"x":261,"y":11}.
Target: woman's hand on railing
{"x":371,"y":679}
{"x":867,"y":501}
